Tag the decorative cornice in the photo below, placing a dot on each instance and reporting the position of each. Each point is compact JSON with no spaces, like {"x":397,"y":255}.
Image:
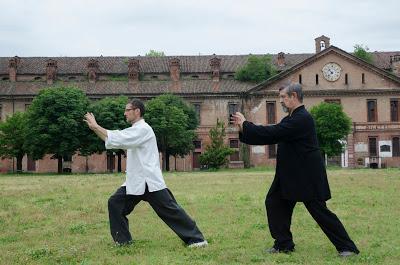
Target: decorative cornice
{"x":337,"y":92}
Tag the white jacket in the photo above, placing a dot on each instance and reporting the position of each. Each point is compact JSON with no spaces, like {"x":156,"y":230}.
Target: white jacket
{"x":142,"y":162}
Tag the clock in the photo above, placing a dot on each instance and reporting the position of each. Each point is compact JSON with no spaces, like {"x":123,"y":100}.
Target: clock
{"x":331,"y":71}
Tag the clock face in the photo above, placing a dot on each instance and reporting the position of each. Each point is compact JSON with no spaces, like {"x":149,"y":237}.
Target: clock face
{"x":331,"y":71}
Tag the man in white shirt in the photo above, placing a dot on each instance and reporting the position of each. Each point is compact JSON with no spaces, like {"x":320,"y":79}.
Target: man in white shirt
{"x":144,"y":180}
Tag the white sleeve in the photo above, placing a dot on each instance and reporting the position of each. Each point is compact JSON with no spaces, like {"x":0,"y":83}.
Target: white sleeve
{"x":128,"y":138}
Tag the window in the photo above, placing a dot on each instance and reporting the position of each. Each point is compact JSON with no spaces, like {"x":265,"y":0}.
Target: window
{"x":71,"y":78}
{"x":232,"y":108}
{"x":154,"y":77}
{"x":5,"y":78}
{"x":316,"y":79}
{"x":234,"y":144}
{"x":363,"y":78}
{"x":37,"y":78}
{"x":271,"y":112}
{"x":197,"y":108}
{"x":371,"y":110}
{"x":299,"y":79}
{"x":1,"y":111}
{"x":394,"y":109}
{"x":396,"y":146}
{"x":333,"y":101}
{"x":27,"y":106}
{"x":195,"y":76}
{"x":372,"y":146}
{"x":197,"y":144}
{"x":272,"y":151}
{"x":346,"y":79}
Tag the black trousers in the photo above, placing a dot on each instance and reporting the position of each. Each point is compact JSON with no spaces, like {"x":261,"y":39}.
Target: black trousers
{"x":279,"y":214}
{"x":163,"y":203}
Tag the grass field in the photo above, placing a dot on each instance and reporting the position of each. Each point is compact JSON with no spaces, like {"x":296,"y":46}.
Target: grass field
{"x":63,"y":219}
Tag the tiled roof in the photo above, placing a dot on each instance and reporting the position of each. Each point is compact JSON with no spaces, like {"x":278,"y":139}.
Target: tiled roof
{"x":188,"y":64}
{"x":122,"y":87}
{"x":382,"y":59}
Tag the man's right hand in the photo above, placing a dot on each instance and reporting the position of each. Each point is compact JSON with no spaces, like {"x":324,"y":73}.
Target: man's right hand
{"x":238,"y":119}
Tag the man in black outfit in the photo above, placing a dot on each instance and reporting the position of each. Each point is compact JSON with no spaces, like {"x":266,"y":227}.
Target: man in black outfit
{"x":300,"y":173}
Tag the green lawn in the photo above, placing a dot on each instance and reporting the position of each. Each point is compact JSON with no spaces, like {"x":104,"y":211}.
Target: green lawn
{"x":51,"y":219}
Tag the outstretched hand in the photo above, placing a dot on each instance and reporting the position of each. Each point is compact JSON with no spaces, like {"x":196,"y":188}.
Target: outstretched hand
{"x":90,"y":120}
{"x":238,"y":119}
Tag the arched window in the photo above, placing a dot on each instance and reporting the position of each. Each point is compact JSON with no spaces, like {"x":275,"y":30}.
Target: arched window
{"x":322,"y":45}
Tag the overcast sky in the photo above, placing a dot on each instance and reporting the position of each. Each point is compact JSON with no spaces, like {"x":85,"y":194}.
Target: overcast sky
{"x":193,"y":27}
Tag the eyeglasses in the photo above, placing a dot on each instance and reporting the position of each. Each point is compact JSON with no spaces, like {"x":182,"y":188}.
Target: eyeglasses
{"x":130,"y":109}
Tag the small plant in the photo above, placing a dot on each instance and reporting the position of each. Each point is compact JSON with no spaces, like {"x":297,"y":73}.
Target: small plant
{"x":216,"y":154}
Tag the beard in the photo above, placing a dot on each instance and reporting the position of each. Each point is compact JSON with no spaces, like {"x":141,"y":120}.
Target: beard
{"x":285,"y":109}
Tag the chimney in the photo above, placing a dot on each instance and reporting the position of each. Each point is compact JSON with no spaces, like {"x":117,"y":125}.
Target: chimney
{"x":281,"y":59}
{"x":93,"y":68}
{"x":174,"y":69}
{"x":395,"y":64}
{"x":321,"y":43}
{"x":215,"y":64}
{"x":133,"y":70}
{"x":51,"y":71}
{"x":12,"y":68}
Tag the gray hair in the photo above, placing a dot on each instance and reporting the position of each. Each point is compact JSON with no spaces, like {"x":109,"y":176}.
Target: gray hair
{"x":294,"y":87}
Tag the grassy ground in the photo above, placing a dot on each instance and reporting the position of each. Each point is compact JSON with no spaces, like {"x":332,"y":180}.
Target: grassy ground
{"x":51,"y":219}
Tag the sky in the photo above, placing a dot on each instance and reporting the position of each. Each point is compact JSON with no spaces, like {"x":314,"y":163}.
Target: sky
{"x":31,"y":28}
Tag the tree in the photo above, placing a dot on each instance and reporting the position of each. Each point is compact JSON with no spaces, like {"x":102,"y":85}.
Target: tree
{"x":109,"y":113}
{"x":216,"y":154}
{"x":362,"y":52}
{"x":332,"y":125}
{"x":256,"y":70}
{"x":174,"y":124}
{"x":153,"y":53}
{"x":12,"y":138}
{"x":55,"y":123}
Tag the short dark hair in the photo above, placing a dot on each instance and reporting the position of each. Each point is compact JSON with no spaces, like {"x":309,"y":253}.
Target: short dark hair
{"x":138,"y":104}
{"x":294,"y":87}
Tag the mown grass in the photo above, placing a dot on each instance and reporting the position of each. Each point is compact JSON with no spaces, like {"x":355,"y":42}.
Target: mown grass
{"x":63,"y":219}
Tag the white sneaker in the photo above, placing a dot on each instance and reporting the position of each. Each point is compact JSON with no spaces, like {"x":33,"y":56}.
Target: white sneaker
{"x":200,"y":244}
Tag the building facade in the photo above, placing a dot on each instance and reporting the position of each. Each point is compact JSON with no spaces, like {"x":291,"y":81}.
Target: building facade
{"x":369,"y":94}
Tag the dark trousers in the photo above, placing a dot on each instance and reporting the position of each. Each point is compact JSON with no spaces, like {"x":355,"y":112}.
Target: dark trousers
{"x":163,"y":203}
{"x":279,"y":213}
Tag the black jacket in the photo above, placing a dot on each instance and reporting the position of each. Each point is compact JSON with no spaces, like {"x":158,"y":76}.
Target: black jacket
{"x":300,"y":172}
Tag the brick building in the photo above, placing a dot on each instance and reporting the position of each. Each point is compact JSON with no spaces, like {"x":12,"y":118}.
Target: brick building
{"x":369,"y":94}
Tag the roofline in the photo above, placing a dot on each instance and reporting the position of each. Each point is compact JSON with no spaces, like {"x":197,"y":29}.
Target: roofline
{"x":313,"y":58}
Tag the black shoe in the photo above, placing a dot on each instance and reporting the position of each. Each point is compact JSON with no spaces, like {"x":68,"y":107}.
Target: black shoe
{"x":347,"y":253}
{"x":275,"y":250}
{"x":127,"y":243}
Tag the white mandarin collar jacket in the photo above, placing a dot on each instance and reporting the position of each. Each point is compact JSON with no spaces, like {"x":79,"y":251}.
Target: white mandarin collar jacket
{"x":142,"y":162}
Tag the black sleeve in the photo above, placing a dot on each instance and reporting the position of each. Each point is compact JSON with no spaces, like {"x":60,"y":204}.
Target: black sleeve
{"x":287,"y":129}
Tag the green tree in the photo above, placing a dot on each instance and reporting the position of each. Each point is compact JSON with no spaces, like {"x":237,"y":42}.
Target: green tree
{"x":174,"y":123}
{"x":55,"y":123}
{"x":153,"y":53}
{"x":216,"y":154}
{"x":256,"y":70}
{"x":332,"y":125}
{"x":109,"y":113}
{"x":12,"y":138}
{"x":362,"y":52}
